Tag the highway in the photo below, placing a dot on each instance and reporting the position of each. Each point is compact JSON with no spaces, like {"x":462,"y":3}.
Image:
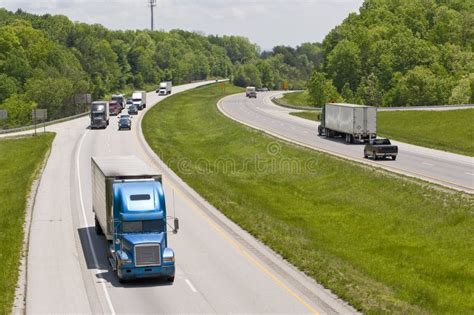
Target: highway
{"x":443,"y":168}
{"x":220,"y":268}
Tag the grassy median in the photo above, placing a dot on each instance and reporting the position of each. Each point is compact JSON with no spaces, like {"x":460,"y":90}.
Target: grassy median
{"x":20,"y":160}
{"x":294,"y":99}
{"x":311,"y":115}
{"x":451,"y":130}
{"x":382,"y":242}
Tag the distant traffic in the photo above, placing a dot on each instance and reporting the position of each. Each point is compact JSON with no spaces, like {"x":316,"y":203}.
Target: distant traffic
{"x":100,"y":111}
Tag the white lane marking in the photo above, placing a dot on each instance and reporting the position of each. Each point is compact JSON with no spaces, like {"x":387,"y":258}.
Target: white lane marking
{"x":191,"y":286}
{"x":89,"y":238}
{"x":429,"y":164}
{"x":469,"y":173}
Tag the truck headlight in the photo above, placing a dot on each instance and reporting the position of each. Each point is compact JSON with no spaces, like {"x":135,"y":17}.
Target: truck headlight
{"x":168,"y":255}
{"x":168,"y":259}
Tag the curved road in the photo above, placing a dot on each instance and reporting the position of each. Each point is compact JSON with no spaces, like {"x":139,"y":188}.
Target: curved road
{"x":220,"y":268}
{"x":444,"y":168}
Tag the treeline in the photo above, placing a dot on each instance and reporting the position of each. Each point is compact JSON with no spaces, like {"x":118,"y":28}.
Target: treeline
{"x":46,"y":60}
{"x":399,"y":52}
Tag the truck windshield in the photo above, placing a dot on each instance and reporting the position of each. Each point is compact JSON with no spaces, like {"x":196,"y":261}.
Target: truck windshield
{"x":97,"y":115}
{"x":147,"y":226}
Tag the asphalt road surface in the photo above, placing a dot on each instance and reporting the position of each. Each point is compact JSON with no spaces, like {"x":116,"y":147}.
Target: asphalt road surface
{"x":220,"y":268}
{"x":444,"y":168}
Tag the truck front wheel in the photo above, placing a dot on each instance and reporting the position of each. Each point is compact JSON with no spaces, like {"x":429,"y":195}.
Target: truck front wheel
{"x":171,"y":279}
{"x":394,"y":157}
{"x":98,"y":228}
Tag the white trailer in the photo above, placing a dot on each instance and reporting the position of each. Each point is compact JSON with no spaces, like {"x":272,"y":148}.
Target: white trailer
{"x":165,"y":88}
{"x":139,"y":99}
{"x":354,"y":122}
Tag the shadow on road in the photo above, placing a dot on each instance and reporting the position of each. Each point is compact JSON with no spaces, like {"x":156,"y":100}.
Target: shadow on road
{"x":99,"y":245}
{"x":111,"y":277}
{"x":340,"y":140}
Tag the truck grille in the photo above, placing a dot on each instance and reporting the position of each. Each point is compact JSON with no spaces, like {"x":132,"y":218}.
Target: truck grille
{"x":147,"y":255}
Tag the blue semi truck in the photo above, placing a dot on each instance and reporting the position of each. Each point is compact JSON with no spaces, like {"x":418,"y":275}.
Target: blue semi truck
{"x":129,"y":206}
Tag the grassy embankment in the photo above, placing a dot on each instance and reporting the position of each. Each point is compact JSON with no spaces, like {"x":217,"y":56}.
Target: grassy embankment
{"x":294,"y":99}
{"x":308,"y":115}
{"x":451,"y":130}
{"x":379,"y":241}
{"x":20,"y":160}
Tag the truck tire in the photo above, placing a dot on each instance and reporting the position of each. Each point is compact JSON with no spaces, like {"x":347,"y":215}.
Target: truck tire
{"x":374,"y":156}
{"x":170,"y":279}
{"x":394,"y":157}
{"x":98,"y":228}
{"x":320,"y":130}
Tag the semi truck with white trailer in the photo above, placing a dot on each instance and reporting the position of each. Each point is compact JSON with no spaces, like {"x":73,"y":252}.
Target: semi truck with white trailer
{"x":353,"y":122}
{"x":128,"y":201}
{"x":99,"y":114}
{"x":165,"y":88}
{"x":139,"y":99}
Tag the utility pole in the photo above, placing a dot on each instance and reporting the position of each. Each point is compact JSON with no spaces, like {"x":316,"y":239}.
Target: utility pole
{"x":152,"y":4}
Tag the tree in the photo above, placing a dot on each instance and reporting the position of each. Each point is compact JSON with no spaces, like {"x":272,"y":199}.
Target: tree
{"x":19,"y":108}
{"x":8,"y":86}
{"x":416,"y":88}
{"x":321,"y":90}
{"x":369,"y":91}
{"x":343,"y":64}
{"x":51,"y":94}
{"x":461,"y":93}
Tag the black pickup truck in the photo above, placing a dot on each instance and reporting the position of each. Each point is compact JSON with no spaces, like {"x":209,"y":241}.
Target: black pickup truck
{"x":380,"y":148}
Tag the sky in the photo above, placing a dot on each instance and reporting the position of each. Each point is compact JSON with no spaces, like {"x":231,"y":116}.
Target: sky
{"x":265,"y":22}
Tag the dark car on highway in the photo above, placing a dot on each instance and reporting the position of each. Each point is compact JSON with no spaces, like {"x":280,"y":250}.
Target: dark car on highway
{"x":125,"y":122}
{"x":132,"y":110}
{"x":380,"y":148}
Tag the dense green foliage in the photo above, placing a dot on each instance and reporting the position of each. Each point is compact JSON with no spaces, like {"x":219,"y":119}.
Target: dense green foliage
{"x":402,"y":52}
{"x":20,"y":160}
{"x":382,"y":242}
{"x":49,"y":59}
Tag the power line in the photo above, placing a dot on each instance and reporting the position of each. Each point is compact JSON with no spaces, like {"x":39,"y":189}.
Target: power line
{"x":152,"y":4}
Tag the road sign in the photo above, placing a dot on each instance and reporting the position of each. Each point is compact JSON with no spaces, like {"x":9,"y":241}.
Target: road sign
{"x":3,"y":114}
{"x":39,"y":114}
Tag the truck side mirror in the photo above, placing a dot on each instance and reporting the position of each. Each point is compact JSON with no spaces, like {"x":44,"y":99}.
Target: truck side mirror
{"x":176,"y":226}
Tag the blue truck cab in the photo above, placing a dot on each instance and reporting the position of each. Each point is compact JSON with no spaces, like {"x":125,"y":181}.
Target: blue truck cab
{"x":130,"y":210}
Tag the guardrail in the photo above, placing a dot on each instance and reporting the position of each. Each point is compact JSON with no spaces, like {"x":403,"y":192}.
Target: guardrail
{"x":39,"y":125}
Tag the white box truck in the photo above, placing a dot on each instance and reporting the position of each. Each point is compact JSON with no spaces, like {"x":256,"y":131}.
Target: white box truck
{"x":165,"y":88}
{"x":351,"y":121}
{"x":139,"y":99}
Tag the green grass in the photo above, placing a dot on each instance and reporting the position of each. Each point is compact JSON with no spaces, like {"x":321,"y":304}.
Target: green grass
{"x":20,"y":160}
{"x":294,"y":99}
{"x":380,"y":241}
{"x":451,"y":130}
{"x":311,"y":115}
